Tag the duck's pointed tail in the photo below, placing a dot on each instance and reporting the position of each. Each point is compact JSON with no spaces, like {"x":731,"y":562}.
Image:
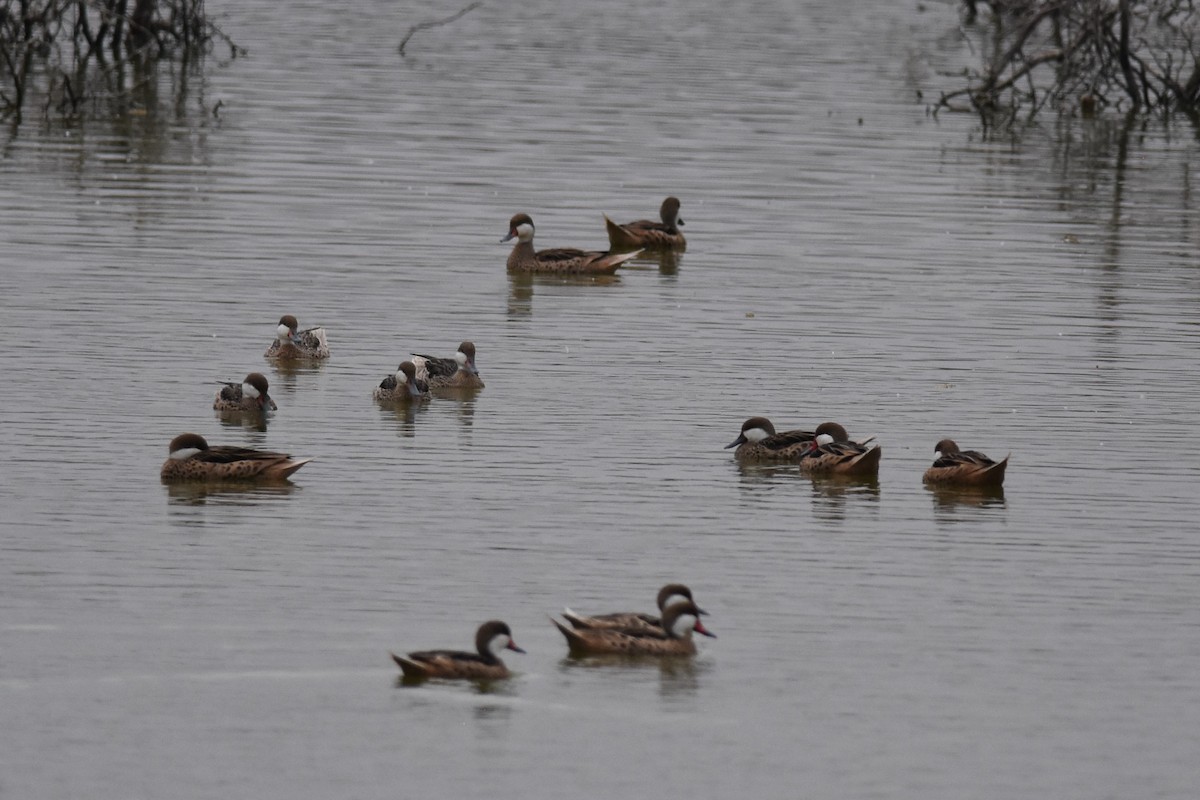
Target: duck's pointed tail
{"x":619,"y":239}
{"x":286,"y":468}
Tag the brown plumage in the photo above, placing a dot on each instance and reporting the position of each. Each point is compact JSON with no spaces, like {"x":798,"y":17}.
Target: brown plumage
{"x":191,"y":459}
{"x":955,"y":467}
{"x":674,"y":638}
{"x":632,"y":620}
{"x":235,"y":396}
{"x":649,"y":235}
{"x":292,"y":344}
{"x":403,"y":387}
{"x":482,"y":665}
{"x":563,"y":260}
{"x":832,"y":453}
{"x":758,"y":441}
{"x":458,"y":372}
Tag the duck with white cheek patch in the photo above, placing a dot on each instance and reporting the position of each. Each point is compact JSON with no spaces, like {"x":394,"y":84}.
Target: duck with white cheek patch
{"x":625,"y":620}
{"x":955,"y":467}
{"x":758,"y":441}
{"x":249,"y":395}
{"x":679,"y":621}
{"x":458,"y":372}
{"x":403,"y":387}
{"x":293,"y":344}
{"x":191,"y":459}
{"x":482,"y":665}
{"x":560,"y":260}
{"x":833,"y":453}
{"x":648,"y":234}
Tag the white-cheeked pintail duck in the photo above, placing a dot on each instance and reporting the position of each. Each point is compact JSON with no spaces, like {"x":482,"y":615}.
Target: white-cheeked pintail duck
{"x":483,"y":665}
{"x":833,"y":453}
{"x":293,"y":344}
{"x":191,"y":459}
{"x":758,"y":441}
{"x":674,"y":638}
{"x":403,"y":386}
{"x":646,"y":234}
{"x":563,"y":260}
{"x":249,"y":395}
{"x":955,"y":467}
{"x":458,"y":372}
{"x":629,"y":620}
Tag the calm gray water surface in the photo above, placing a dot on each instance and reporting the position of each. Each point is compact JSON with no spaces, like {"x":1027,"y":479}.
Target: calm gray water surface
{"x":850,"y":258}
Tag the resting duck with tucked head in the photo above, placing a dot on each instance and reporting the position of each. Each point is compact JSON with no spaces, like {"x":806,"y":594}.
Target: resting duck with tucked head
{"x":627,"y":620}
{"x":562,"y":260}
{"x":403,"y":386}
{"x":458,"y":372}
{"x":832,"y":453}
{"x":647,"y":234}
{"x":482,"y":665}
{"x":674,"y":638}
{"x":191,"y":459}
{"x":291,"y":343}
{"x":249,"y":395}
{"x":955,"y":467}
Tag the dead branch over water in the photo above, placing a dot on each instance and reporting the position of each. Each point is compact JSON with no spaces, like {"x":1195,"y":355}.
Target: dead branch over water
{"x":1080,"y":54}
{"x":71,"y":46}
{"x":420,"y":26}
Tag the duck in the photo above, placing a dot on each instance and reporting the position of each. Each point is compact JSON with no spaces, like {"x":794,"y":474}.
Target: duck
{"x":483,"y":665}
{"x":249,"y":395}
{"x":458,"y":372}
{"x":633,"y":620}
{"x":955,"y":467}
{"x":646,"y":234}
{"x":563,"y":260}
{"x":674,"y":638}
{"x":403,"y":386}
{"x":191,"y":459}
{"x":292,"y":344}
{"x":831,"y":452}
{"x":758,"y":441}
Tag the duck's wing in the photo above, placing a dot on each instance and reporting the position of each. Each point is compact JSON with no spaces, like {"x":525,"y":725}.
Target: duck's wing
{"x":446,"y":656}
{"x":231,"y":391}
{"x":228,"y":455}
{"x":558,"y":255}
{"x":786,"y":439}
{"x":964,"y":458}
{"x":435,"y":367}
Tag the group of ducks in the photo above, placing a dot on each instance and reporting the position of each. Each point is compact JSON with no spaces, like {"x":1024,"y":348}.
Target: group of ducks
{"x":828,"y":450}
{"x":625,"y":242}
{"x":191,"y":458}
{"x":626,"y":633}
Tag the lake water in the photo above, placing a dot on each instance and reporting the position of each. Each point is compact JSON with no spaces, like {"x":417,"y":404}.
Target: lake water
{"x":850,"y":258}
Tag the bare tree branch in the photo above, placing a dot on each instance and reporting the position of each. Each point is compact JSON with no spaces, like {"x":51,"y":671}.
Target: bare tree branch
{"x":420,"y":26}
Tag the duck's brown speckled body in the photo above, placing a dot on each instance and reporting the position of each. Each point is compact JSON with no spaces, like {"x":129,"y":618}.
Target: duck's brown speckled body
{"x":249,"y":395}
{"x":563,"y":260}
{"x":633,"y":620}
{"x":758,"y":441}
{"x":458,"y":372}
{"x":482,"y":665}
{"x":955,"y":467}
{"x":293,"y":344}
{"x":403,"y":387}
{"x":674,"y":638}
{"x":649,"y":235}
{"x":832,"y":453}
{"x":191,"y":459}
